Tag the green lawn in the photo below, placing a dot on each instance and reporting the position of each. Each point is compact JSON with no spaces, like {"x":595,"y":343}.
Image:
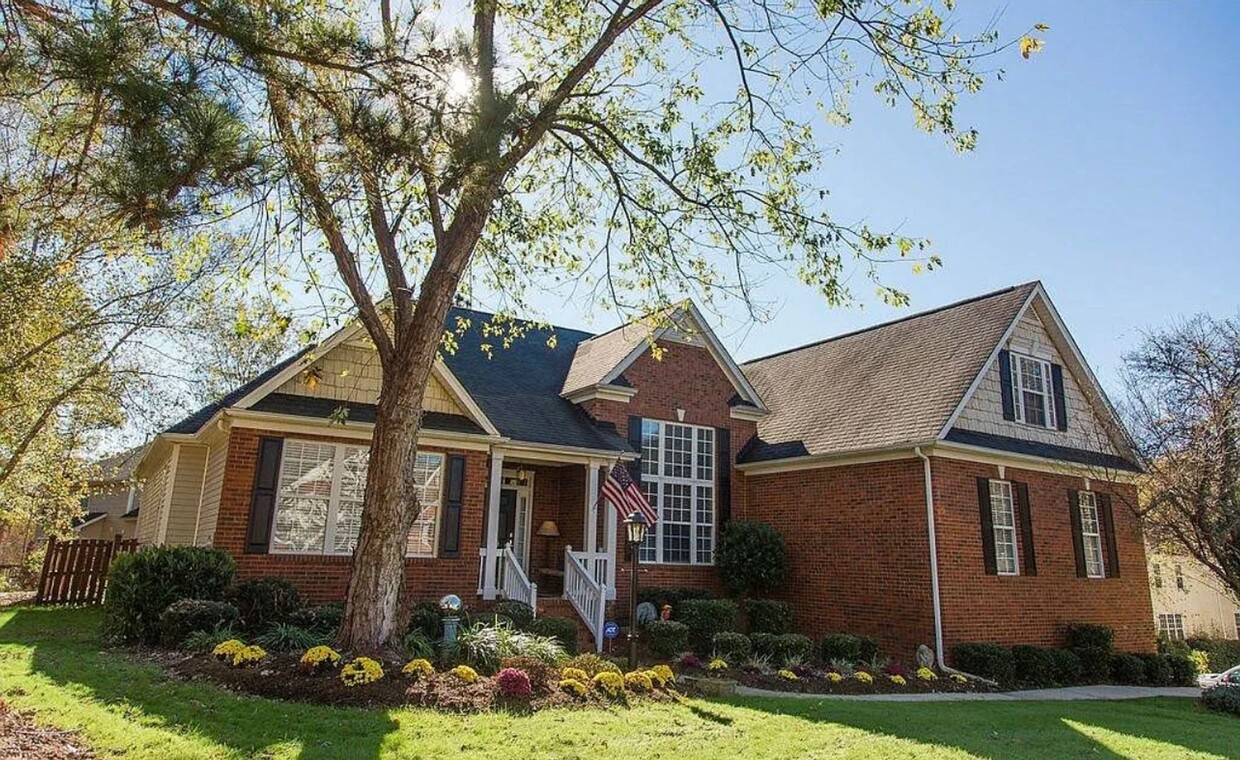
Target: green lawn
{"x":51,"y":662}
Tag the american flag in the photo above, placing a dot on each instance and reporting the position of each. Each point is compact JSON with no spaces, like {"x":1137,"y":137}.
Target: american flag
{"x":625,"y":496}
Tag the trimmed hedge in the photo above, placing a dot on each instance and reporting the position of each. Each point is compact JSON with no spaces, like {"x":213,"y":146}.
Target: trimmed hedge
{"x":1035,"y":666}
{"x":1127,"y":669}
{"x":1095,"y":663}
{"x":751,"y":558}
{"x":324,"y":619}
{"x":186,"y":616}
{"x":264,"y":602}
{"x":1065,"y":666}
{"x":780,"y":648}
{"x":705,"y":618}
{"x":848,"y":646}
{"x":1157,"y":669}
{"x":1222,"y":654}
{"x":1223,"y":699}
{"x":563,"y":630}
{"x":1183,"y":670}
{"x":666,"y":638}
{"x":1088,"y":636}
{"x":673,"y":596}
{"x":143,"y":584}
{"x":520,"y":613}
{"x":986,"y":660}
{"x":768,"y":616}
{"x":731,"y":646}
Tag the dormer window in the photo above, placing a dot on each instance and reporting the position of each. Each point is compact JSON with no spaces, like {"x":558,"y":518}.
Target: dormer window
{"x":1031,"y":390}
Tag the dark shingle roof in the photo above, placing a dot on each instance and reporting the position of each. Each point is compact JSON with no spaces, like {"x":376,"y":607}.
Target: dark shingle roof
{"x":194,"y":422}
{"x":892,"y":384}
{"x":324,"y":408}
{"x":1038,"y":449}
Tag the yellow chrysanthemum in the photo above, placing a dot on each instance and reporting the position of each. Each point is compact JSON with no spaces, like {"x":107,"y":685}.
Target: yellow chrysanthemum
{"x":320,"y":657}
{"x":465,"y":673}
{"x":419,"y":668}
{"x":361,"y":671}
{"x":834,"y":677}
{"x":574,"y":674}
{"x":610,"y":683}
{"x":926,"y":674}
{"x":638,"y":680}
{"x":226,"y":650}
{"x":864,"y":677}
{"x":788,"y":675}
{"x":898,"y":680}
{"x":247,"y":656}
{"x":665,"y":673}
{"x":573,"y":686}
{"x":717,"y":664}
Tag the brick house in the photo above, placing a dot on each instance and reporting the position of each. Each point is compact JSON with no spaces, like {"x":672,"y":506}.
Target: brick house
{"x":956,"y":475}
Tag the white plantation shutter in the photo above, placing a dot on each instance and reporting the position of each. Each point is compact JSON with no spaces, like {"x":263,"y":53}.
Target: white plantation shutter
{"x":306,"y":485}
{"x":428,"y":475}
{"x":348,"y":521}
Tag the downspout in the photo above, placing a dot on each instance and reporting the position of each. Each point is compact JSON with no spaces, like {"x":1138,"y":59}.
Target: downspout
{"x":934,"y":574}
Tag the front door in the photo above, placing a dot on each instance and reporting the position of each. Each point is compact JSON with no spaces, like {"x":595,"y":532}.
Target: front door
{"x":514,"y":521}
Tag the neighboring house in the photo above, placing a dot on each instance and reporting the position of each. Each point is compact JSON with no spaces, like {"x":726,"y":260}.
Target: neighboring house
{"x":953,"y":476}
{"x":1189,"y":600}
{"x":111,"y":508}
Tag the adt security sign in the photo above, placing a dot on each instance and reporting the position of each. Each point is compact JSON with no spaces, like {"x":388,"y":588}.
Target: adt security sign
{"x":611,"y":629}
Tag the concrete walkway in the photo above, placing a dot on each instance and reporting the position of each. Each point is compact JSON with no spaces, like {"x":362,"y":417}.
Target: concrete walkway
{"x":1071,"y":693}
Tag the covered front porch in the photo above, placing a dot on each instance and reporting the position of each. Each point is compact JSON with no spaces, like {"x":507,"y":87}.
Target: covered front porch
{"x":546,"y":534}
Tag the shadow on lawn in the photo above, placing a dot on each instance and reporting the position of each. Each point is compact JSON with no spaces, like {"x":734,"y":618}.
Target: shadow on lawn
{"x":246,"y":725}
{"x":1002,"y":730}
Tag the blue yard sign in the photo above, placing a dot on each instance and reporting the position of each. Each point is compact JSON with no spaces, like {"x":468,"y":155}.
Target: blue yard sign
{"x":611,"y":629}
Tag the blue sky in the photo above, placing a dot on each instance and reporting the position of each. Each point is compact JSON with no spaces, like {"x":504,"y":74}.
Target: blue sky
{"x":1108,"y":167}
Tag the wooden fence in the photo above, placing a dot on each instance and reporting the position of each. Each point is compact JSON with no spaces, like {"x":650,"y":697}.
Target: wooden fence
{"x":76,"y":571}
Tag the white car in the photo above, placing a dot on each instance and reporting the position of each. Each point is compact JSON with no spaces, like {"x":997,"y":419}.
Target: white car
{"x":1208,"y":680}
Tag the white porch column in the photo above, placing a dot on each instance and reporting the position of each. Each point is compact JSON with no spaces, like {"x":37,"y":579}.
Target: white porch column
{"x":490,"y":548}
{"x":591,"y":510}
{"x":609,"y":543}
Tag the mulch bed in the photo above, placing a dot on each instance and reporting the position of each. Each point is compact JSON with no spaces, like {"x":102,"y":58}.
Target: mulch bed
{"x":20,"y":737}
{"x":820,"y":685}
{"x":11,"y":598}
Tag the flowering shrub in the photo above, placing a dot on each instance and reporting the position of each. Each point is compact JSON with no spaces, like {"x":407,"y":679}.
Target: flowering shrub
{"x":465,"y":673}
{"x":575,"y":674}
{"x":926,"y":674}
{"x":864,"y":677}
{"x":897,"y":669}
{"x":361,"y":671}
{"x":419,"y":668}
{"x":801,"y":670}
{"x":638,"y":680}
{"x":611,"y":684}
{"x":573,"y":686}
{"x":226,"y":650}
{"x":320,"y":658}
{"x":834,"y":677}
{"x":656,"y":679}
{"x":788,"y":675}
{"x":959,"y":678}
{"x":898,"y":680}
{"x":247,"y":656}
{"x":513,"y":683}
{"x":664,"y":673}
{"x":690,"y":660}
{"x":717,"y":664}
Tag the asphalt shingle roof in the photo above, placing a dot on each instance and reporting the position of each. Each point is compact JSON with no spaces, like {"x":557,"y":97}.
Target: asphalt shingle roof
{"x":324,"y":408}
{"x":888,"y":385}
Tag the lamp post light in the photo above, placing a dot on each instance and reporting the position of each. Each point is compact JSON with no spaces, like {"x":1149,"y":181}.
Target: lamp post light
{"x":635,"y":531}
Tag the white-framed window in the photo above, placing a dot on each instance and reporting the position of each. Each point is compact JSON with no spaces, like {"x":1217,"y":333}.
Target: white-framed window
{"x":1179,"y":578}
{"x":1091,"y":534}
{"x":1157,"y":571}
{"x":1031,"y":390}
{"x":1171,"y":626}
{"x":678,"y":479}
{"x":1003,"y":518}
{"x":319,"y":499}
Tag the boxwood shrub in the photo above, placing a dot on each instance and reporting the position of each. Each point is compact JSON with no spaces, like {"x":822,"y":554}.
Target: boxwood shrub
{"x":751,"y":558}
{"x":1127,"y":668}
{"x":1035,"y":666}
{"x":768,"y":616}
{"x":986,"y":660}
{"x":1223,"y":699}
{"x":780,"y":648}
{"x":705,"y":618}
{"x":520,"y":613}
{"x":563,"y":630}
{"x":848,"y":646}
{"x":731,"y":646}
{"x":1183,"y":670}
{"x":1065,"y":666}
{"x":1157,"y":669}
{"x":324,"y":619}
{"x":143,"y":584}
{"x":264,"y":602}
{"x":186,"y":616}
{"x":666,"y":638}
{"x":1088,"y":636}
{"x":1095,"y":664}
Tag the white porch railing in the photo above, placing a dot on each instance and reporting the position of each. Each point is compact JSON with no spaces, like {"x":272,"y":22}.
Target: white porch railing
{"x":595,"y":564}
{"x":587,"y":595}
{"x":512,"y":581}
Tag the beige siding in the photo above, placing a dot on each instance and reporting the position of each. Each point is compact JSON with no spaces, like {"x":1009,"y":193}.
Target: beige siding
{"x":350,"y":372}
{"x":1208,"y":608}
{"x":984,"y":411}
{"x":114,"y":501}
{"x":151,"y":503}
{"x":186,"y":494}
{"x":212,"y":486}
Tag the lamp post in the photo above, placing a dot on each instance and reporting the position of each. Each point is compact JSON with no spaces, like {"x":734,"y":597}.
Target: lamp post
{"x":635,"y":531}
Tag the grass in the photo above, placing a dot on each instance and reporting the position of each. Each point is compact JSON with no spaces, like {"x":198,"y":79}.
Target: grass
{"x":51,"y":662}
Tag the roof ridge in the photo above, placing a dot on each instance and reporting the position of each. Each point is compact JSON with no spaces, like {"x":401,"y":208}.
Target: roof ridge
{"x":527,"y":320}
{"x":898,"y":320}
{"x":636,"y":319}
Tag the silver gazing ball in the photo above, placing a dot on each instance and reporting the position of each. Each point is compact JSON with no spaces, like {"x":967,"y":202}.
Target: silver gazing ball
{"x":450,"y":603}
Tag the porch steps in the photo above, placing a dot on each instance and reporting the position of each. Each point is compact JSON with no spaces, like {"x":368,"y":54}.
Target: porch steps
{"x":560,"y":607}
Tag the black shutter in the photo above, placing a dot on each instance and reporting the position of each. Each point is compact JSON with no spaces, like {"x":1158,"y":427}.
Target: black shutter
{"x":723,"y":451}
{"x":1078,"y":543}
{"x":454,"y":497}
{"x":1024,"y":517}
{"x":1107,"y":518}
{"x":263,"y":498}
{"x":635,"y":466}
{"x":988,"y":527}
{"x":1061,"y":403}
{"x":1005,"y":385}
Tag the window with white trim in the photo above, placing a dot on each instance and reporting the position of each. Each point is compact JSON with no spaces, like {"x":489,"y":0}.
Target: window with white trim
{"x":1003,"y":518}
{"x":320,"y":496}
{"x":1171,"y":626}
{"x":1179,"y":578}
{"x":678,"y":479}
{"x":1157,"y":575}
{"x":1031,"y":390}
{"x":1091,"y":534}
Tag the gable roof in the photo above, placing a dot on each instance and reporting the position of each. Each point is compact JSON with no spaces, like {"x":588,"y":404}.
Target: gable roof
{"x":119,"y":468}
{"x":194,"y":422}
{"x":884,"y":386}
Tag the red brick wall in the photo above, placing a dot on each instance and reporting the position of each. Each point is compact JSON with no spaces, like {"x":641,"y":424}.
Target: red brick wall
{"x":1033,"y":609}
{"x":324,"y":579}
{"x":858,"y":549}
{"x":688,"y":378}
